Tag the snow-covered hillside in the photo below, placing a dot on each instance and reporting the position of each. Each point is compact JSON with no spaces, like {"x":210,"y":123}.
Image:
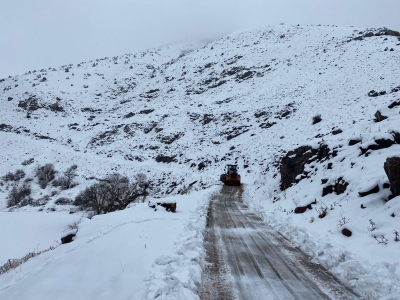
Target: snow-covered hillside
{"x":180,"y":113}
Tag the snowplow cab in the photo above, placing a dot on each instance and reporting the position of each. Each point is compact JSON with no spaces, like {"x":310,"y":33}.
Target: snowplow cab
{"x":231,"y":175}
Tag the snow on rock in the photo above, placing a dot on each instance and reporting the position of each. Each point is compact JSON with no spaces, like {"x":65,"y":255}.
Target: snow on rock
{"x":179,"y":114}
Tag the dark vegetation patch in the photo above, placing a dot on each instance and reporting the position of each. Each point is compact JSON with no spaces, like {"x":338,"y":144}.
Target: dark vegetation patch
{"x":30,"y":104}
{"x":149,"y":127}
{"x":377,"y":32}
{"x":114,"y":192}
{"x":129,"y":115}
{"x":91,"y":110}
{"x":267,"y":125}
{"x":169,"y":139}
{"x":16,"y":176}
{"x":106,"y":137}
{"x":63,"y":201}
{"x":207,"y":118}
{"x":146,"y":111}
{"x":235,"y":132}
{"x":226,"y":101}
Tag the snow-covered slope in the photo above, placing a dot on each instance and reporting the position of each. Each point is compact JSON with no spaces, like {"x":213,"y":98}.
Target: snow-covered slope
{"x":180,"y":113}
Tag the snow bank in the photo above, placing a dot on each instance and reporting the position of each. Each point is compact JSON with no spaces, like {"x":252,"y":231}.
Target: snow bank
{"x":370,"y":280}
{"x":178,"y":276}
{"x":23,"y":232}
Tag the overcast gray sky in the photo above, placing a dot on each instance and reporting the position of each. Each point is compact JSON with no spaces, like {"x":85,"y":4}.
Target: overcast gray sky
{"x":49,"y":33}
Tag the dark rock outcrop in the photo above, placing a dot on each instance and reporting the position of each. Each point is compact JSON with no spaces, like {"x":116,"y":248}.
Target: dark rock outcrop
{"x":164,"y":159}
{"x":392,"y":169}
{"x":293,"y":163}
{"x":379,"y":144}
{"x":394,"y":104}
{"x":379,"y":117}
{"x":302,"y":209}
{"x":354,"y":141}
{"x":370,"y":191}
{"x":339,"y":187}
{"x":347,"y":232}
{"x":373,"y":93}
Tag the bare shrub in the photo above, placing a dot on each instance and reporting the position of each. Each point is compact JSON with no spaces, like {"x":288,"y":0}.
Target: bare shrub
{"x":342,"y":221}
{"x":28,"y":161}
{"x":41,"y":201}
{"x":63,"y":201}
{"x":322,"y":211}
{"x":16,"y":176}
{"x":14,"y":263}
{"x":19,"y":195}
{"x":67,"y":180}
{"x":381,"y":239}
{"x":45,"y":174}
{"x":316,"y":119}
{"x":372,"y":227}
{"x":112,"y":193}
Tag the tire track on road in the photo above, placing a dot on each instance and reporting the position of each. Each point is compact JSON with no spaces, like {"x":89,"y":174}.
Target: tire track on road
{"x":255,"y":262}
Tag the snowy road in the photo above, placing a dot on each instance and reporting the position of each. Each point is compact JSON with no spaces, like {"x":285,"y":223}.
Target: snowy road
{"x":248,"y":260}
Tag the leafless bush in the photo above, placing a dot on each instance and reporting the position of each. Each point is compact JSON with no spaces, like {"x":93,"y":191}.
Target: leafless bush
{"x":63,"y":201}
{"x":28,"y":161}
{"x":41,"y":201}
{"x":67,"y":180}
{"x":381,"y":239}
{"x":372,"y":227}
{"x":73,"y":226}
{"x":396,"y":236}
{"x":11,"y":264}
{"x":16,"y":176}
{"x":112,"y":193}
{"x":322,"y":211}
{"x":45,"y":174}
{"x":342,"y":221}
{"x":19,"y":195}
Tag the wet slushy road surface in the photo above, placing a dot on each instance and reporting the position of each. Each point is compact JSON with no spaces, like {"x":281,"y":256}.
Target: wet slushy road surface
{"x":246,"y":259}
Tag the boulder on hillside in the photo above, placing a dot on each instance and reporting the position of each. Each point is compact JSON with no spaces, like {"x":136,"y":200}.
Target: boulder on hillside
{"x":293,"y":163}
{"x":392,"y":169}
{"x":379,"y":117}
{"x":369,"y":190}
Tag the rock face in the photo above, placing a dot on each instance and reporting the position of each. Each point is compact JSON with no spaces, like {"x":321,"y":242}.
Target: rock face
{"x":339,"y":187}
{"x":392,"y":169}
{"x":370,"y":191}
{"x":293,"y":163}
{"x":379,"y":117}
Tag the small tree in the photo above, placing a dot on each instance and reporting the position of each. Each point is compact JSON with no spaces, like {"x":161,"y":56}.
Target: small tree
{"x":19,"y":195}
{"x":115,"y":192}
{"x":45,"y":174}
{"x":67,"y":181}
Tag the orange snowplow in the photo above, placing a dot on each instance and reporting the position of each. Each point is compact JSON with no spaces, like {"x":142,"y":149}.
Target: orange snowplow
{"x":231,"y":176}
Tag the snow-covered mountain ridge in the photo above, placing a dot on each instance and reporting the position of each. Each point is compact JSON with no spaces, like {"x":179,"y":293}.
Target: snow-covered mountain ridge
{"x":180,"y":113}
